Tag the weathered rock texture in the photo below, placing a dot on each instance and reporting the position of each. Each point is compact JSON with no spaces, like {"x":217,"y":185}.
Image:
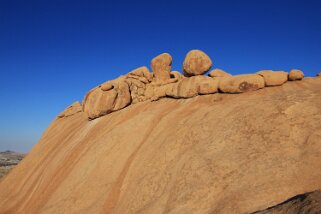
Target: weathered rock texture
{"x":241,"y":83}
{"x":273,"y":78}
{"x":137,"y":81}
{"x":218,"y":153}
{"x":219,"y":73}
{"x":196,"y":63}
{"x":296,"y":75}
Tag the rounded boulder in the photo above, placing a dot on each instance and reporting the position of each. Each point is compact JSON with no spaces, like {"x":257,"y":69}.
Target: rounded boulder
{"x":296,"y":75}
{"x":196,"y":63}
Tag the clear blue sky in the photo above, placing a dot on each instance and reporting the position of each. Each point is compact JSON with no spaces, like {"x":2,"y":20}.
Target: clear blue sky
{"x":53,"y":52}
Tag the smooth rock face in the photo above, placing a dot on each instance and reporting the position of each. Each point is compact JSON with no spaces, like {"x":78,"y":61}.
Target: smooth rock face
{"x":71,"y":110}
{"x":196,"y":63}
{"x":219,"y":73}
{"x":99,"y":102}
{"x":161,"y":67}
{"x":241,"y":83}
{"x":296,"y":75}
{"x":273,"y":78}
{"x":219,"y":153}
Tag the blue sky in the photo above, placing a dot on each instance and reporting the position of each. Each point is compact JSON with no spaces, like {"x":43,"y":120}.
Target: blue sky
{"x":53,"y":52}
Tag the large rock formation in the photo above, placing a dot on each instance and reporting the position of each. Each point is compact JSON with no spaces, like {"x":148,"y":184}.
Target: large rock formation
{"x":218,"y":153}
{"x":196,"y":63}
{"x":273,"y":78}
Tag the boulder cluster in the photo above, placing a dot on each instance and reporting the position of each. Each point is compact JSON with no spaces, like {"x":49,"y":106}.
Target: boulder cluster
{"x":141,"y":85}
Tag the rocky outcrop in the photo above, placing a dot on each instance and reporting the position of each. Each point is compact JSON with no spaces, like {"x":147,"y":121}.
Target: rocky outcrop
{"x":219,"y":73}
{"x":273,"y":78}
{"x":71,"y":110}
{"x":241,"y":83}
{"x":161,"y":67}
{"x":196,"y":63}
{"x":296,"y":75}
{"x":141,"y":85}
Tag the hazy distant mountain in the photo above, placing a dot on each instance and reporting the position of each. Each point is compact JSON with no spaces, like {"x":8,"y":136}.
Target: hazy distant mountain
{"x":8,"y":160}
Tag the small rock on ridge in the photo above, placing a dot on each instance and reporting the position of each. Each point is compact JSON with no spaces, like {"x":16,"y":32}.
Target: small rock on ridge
{"x":196,"y":63}
{"x":296,"y":75}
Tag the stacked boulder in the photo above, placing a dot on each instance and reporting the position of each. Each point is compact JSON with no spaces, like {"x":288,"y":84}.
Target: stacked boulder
{"x":196,"y":63}
{"x":141,"y":85}
{"x":296,"y":75}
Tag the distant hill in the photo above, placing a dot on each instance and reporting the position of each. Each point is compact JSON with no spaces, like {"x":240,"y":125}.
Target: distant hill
{"x":8,"y":160}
